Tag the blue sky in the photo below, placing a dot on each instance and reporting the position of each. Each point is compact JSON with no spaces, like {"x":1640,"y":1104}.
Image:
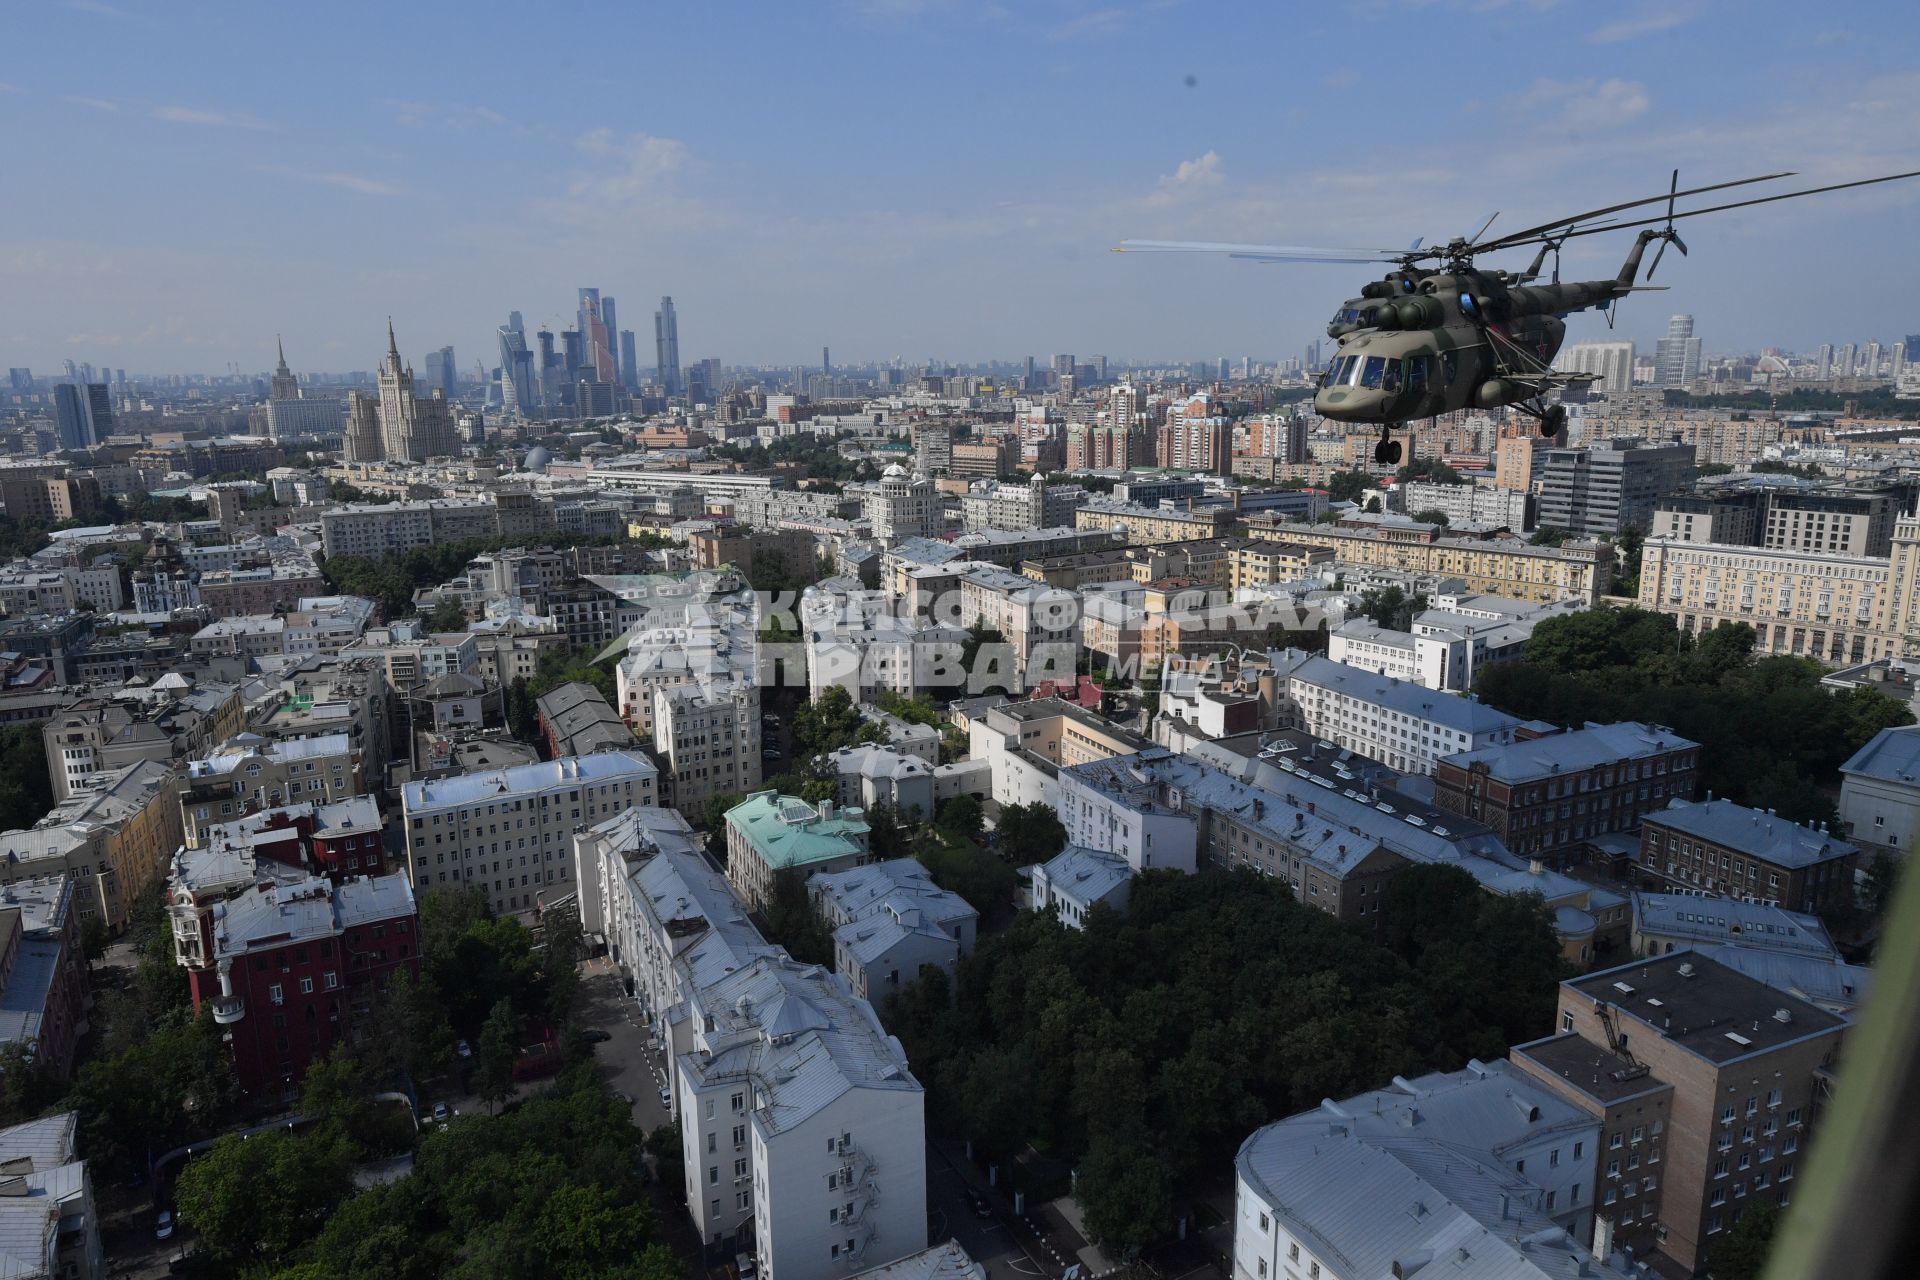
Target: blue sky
{"x":908,"y":177}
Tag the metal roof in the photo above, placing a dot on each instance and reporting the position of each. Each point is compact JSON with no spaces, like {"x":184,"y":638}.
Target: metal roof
{"x":1892,"y":756}
{"x":1753,"y":832}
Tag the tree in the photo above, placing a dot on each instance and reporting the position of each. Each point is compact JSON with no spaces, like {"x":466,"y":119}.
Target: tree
{"x":1741,"y":1254}
{"x":446,"y":616}
{"x":981,"y":654}
{"x":1432,"y":516}
{"x":499,"y":1043}
{"x":264,"y":1195}
{"x":1882,"y":874}
{"x":960,"y":816}
{"x":1347,"y":486}
{"x":523,"y":717}
{"x":1128,"y":1202}
{"x":830,"y":722}
{"x":792,"y":921}
{"x":1030,"y":833}
{"x":26,"y":792}
{"x":408,"y":1031}
{"x":1432,"y":469}
{"x":1373,"y":506}
{"x":1391,"y":608}
{"x":95,"y":937}
{"x":1548,"y":535}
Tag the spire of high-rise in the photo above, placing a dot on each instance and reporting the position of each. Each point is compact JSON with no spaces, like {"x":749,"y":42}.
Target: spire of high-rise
{"x":281,"y":344}
{"x":393,"y":347}
{"x":285,"y":385}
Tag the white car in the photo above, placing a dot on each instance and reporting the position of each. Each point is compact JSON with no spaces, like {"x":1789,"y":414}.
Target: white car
{"x":163,"y":1226}
{"x":440,"y":1113}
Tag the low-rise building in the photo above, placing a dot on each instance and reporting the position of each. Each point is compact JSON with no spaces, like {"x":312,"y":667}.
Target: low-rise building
{"x":176,"y":718}
{"x":769,"y":834}
{"x":1720,"y":847}
{"x":1880,"y":791}
{"x":48,"y":1220}
{"x":1503,"y":566}
{"x":868,"y":775}
{"x":1076,"y":880}
{"x":1401,"y":724}
{"x":43,"y":972}
{"x":1481,"y":1172}
{"x":890,"y":922}
{"x":576,"y":721}
{"x":248,"y":772}
{"x":510,"y":831}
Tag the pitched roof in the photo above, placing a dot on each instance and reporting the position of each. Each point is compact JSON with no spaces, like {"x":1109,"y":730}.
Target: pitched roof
{"x":1758,"y":834}
{"x":1892,"y":756}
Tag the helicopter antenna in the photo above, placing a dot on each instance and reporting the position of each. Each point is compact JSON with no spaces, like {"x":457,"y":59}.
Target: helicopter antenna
{"x":1668,"y":236}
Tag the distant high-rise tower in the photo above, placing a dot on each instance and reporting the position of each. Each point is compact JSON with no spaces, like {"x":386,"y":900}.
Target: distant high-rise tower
{"x":70,"y":416}
{"x":1913,"y":348}
{"x":549,"y":369}
{"x":1612,"y":361}
{"x":1676,"y":357}
{"x":513,"y":322}
{"x":20,"y":379}
{"x":517,"y":391}
{"x":629,"y":362}
{"x":1873,"y":359}
{"x":411,"y":429}
{"x":285,"y":385}
{"x":611,"y":326}
{"x":595,"y":354}
{"x":441,"y":375}
{"x":1843,"y":361}
{"x":99,"y":405}
{"x":826,"y":361}
{"x":666,"y":344}
{"x":1825,"y":369}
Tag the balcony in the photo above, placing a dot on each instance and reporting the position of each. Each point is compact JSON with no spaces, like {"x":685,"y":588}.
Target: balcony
{"x":228,"y":1010}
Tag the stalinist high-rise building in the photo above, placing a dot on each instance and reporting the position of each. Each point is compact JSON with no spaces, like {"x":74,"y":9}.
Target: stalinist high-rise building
{"x":397,"y":426}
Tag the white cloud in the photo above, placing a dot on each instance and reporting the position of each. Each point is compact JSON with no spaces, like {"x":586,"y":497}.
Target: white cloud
{"x":214,"y":119}
{"x":1203,"y":171}
{"x":1581,"y":104}
{"x":98,"y":104}
{"x":455,"y":116}
{"x":96,"y":7}
{"x":1651,"y":22}
{"x":347,"y":181}
{"x":1092,"y":24}
{"x":640,"y":165}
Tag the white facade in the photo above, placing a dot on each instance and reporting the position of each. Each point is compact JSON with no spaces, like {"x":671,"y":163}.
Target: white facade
{"x":1114,"y":806}
{"x":1880,"y":791}
{"x":1399,"y":723}
{"x":903,"y":506}
{"x":711,"y":744}
{"x":1077,"y":880}
{"x":510,"y":831}
{"x":885,"y":654}
{"x":867,"y":775}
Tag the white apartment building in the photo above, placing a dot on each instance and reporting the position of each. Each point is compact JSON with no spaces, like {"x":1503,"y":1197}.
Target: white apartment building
{"x":1117,"y":806}
{"x":510,"y":831}
{"x":885,"y":653}
{"x":1468,"y":504}
{"x":903,"y":506}
{"x":890,"y":921}
{"x":715,"y":655}
{"x":798,"y":1110}
{"x":1612,"y":362}
{"x":1477,"y":1172}
{"x":990,"y":504}
{"x":710,"y":743}
{"x":372,"y":530}
{"x":1401,"y":724}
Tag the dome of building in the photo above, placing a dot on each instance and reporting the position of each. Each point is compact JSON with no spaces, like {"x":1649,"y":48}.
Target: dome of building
{"x":894,"y":472}
{"x":537,"y":458}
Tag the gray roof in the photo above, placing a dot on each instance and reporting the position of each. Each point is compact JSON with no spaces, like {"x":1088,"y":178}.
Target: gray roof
{"x":1085,"y":876}
{"x":1365,"y":1192}
{"x":1462,"y":715}
{"x":1892,"y":756}
{"x":1833,"y":985}
{"x":941,"y":1262}
{"x":1711,"y":921}
{"x":1579,"y":749}
{"x":1703,"y":1006}
{"x":1754,"y":832}
{"x":892,"y":888}
{"x":53,"y":1176}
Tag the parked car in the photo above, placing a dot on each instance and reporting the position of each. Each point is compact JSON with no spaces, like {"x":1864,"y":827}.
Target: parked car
{"x":464,"y":1049}
{"x":440,"y":1113}
{"x":163,"y":1225}
{"x":595,"y":1035}
{"x":666,"y":1099}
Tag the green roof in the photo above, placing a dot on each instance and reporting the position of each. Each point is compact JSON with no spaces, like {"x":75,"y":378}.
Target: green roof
{"x":787,"y":832}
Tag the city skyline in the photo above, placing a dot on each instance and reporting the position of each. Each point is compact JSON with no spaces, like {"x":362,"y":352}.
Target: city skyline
{"x":270,"y":197}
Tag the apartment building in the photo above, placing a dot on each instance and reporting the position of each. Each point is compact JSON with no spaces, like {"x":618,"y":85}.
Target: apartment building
{"x":509,"y":831}
{"x":708,"y":743}
{"x":901,"y":505}
{"x":1074,"y":881}
{"x":1716,"y":436}
{"x":1501,"y":566}
{"x":1720,"y":847}
{"x":1026,"y":743}
{"x":112,"y":840}
{"x":1260,"y":562}
{"x":1040,"y":623}
{"x":1074,"y":572}
{"x":1122,"y":806}
{"x":715,"y":655}
{"x":1546,"y":796}
{"x":371,"y":530}
{"x":890,"y":922}
{"x":248,"y":772}
{"x":43,"y":972}
{"x":176,"y":718}
{"x":1706,"y":1083}
{"x":1034,"y":505}
{"x":1481,"y":1171}
{"x":1144,"y":525}
{"x":1838,"y":608}
{"x":1487,"y":505}
{"x":769,"y":834}
{"x":53,"y":1213}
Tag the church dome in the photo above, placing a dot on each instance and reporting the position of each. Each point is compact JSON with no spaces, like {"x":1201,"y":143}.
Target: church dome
{"x":537,"y":458}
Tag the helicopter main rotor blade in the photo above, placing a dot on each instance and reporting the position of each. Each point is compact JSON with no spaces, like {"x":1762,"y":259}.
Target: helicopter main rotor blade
{"x":1277,"y":252}
{"x":1741,"y":204}
{"x":1525,"y":235}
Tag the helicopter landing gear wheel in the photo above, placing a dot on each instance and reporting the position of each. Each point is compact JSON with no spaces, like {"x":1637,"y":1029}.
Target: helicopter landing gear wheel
{"x":1387,"y":452}
{"x":1553,"y":421}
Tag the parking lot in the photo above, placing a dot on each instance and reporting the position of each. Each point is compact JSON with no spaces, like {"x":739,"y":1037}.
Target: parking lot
{"x":626,"y":1059}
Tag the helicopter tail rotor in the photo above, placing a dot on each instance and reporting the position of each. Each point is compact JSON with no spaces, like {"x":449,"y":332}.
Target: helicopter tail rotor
{"x":1668,"y":236}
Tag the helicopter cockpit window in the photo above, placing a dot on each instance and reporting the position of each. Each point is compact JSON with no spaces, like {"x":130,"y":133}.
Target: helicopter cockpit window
{"x":1341,"y":371}
{"x":1375,"y":370}
{"x":1417,"y":367}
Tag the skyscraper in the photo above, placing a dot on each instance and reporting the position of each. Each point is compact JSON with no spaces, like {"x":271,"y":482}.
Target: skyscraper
{"x":666,"y":343}
{"x":20,"y":379}
{"x":1873,"y":359}
{"x":411,"y":429}
{"x":1676,"y":357}
{"x":1612,"y":361}
{"x":290,"y":413}
{"x":285,"y":385}
{"x":99,"y":406}
{"x":611,"y":325}
{"x":1825,"y":369}
{"x":516,"y":370}
{"x":1843,"y":362}
{"x":1913,"y":348}
{"x":595,"y":354}
{"x":548,"y":369}
{"x":70,"y":416}
{"x":826,"y":361}
{"x":629,"y":362}
{"x":441,"y":375}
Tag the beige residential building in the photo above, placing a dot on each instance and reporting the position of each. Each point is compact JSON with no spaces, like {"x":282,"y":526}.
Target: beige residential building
{"x":1834,"y":607}
{"x":1261,"y":562}
{"x":1509,"y":567}
{"x":248,"y":773}
{"x":1717,"y":437}
{"x":112,"y":841}
{"x":1145,"y":525}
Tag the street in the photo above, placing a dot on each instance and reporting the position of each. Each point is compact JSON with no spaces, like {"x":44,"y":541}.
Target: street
{"x":626,"y":1060}
{"x":988,"y":1241}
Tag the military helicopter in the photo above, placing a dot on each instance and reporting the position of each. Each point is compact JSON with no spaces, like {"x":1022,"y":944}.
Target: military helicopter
{"x":1438,"y":333}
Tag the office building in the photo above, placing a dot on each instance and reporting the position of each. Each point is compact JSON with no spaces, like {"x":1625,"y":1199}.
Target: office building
{"x":99,"y":407}
{"x":442,"y":376}
{"x":509,"y":831}
{"x":1705,"y":1082}
{"x":1597,"y":492}
{"x":610,"y":324}
{"x":70,"y":416}
{"x":1402,"y":725}
{"x":1676,"y":357}
{"x":1547,"y":796}
{"x":1720,"y":847}
{"x":1502,"y":567}
{"x":629,"y":362}
{"x":519,"y":393}
{"x":666,"y":346}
